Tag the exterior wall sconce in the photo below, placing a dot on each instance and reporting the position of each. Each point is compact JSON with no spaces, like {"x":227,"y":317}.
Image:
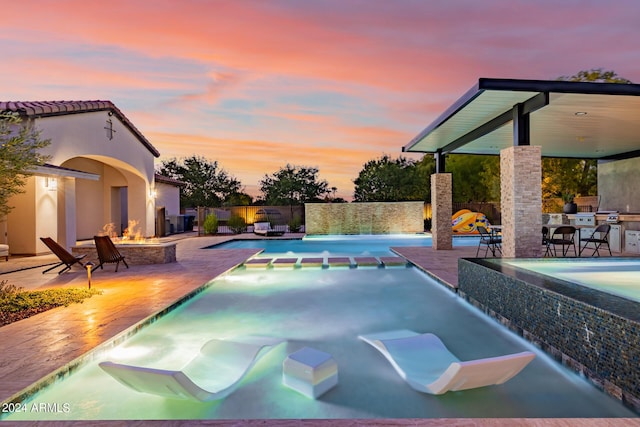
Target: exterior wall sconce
{"x":50,"y":183}
{"x":153,"y":193}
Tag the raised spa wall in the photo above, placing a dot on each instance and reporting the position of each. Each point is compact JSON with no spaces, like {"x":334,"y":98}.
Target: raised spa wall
{"x":364,"y":218}
{"x":595,"y":334}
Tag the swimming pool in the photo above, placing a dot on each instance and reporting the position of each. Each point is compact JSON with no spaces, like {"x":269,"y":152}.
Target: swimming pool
{"x":325,"y":309}
{"x":331,"y":245}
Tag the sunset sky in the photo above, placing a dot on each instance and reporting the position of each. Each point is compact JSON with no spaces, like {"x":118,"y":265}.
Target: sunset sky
{"x":324,"y":83}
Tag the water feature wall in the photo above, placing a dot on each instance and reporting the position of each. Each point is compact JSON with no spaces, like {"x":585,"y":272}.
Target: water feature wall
{"x":595,"y":334}
{"x":364,"y":218}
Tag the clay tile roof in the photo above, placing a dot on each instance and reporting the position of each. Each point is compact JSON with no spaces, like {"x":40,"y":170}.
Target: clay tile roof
{"x":169,"y":180}
{"x":35,"y":109}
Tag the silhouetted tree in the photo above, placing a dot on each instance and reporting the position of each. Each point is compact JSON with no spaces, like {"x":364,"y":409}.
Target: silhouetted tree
{"x":391,"y":180}
{"x":597,"y":75}
{"x":293,"y":185}
{"x":206,"y":183}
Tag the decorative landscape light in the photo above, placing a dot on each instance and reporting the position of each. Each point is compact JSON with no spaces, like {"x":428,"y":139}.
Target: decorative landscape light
{"x":89,"y":266}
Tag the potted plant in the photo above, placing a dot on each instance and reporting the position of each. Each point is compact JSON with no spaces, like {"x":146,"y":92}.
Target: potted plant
{"x":570,"y":207}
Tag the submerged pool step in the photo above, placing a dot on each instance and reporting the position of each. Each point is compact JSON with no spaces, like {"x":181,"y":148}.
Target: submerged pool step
{"x":393,"y":261}
{"x":366,"y":261}
{"x":319,"y":262}
{"x":339,"y":262}
{"x":312,"y":262}
{"x":258,"y":263}
{"x":284,"y":262}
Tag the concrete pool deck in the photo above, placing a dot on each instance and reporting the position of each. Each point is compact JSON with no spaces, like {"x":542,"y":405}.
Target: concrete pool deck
{"x":37,"y":346}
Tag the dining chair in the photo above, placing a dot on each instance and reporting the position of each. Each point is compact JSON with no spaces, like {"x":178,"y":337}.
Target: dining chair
{"x":563,"y":236}
{"x":545,"y":240}
{"x":492,"y":241}
{"x":599,"y":237}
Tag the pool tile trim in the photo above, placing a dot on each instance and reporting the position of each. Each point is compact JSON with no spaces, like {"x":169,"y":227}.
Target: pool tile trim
{"x":601,"y":344}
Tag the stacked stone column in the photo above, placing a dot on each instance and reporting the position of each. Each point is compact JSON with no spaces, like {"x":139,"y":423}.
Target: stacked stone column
{"x":441,"y":211}
{"x":521,"y":201}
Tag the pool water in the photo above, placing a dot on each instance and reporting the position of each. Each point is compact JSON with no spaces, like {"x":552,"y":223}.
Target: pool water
{"x":620,"y":276}
{"x":340,"y":245}
{"x":325,"y":309}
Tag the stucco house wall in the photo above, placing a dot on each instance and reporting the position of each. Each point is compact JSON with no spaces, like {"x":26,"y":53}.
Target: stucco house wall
{"x":101,"y":170}
{"x":168,"y":196}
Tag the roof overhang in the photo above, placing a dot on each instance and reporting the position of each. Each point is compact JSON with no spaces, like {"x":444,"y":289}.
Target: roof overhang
{"x":567,"y":119}
{"x":60,"y":172}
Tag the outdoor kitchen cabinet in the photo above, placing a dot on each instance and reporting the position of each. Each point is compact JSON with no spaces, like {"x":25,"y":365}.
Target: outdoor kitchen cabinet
{"x":631,"y":240}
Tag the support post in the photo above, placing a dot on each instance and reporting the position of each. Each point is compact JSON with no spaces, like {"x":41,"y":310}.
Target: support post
{"x":441,"y":206}
{"x":521,"y":201}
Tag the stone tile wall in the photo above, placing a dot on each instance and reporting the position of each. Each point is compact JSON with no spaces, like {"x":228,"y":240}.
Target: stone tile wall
{"x":161,"y":253}
{"x":521,"y":201}
{"x":441,"y":206}
{"x":603,"y":344}
{"x":364,"y":218}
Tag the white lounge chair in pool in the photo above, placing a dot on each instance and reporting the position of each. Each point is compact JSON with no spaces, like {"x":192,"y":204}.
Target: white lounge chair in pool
{"x":424,"y":362}
{"x":212,"y":375}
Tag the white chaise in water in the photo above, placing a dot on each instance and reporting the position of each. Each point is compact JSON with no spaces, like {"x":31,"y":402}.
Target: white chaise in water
{"x":424,"y":362}
{"x":213,"y":374}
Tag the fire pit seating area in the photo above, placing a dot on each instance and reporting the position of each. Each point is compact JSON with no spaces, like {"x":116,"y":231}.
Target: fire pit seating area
{"x":134,"y":252}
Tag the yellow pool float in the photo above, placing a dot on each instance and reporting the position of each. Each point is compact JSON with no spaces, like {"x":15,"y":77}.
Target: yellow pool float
{"x":466,"y":222}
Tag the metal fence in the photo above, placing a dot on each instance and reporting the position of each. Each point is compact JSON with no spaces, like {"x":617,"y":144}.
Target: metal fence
{"x":279,"y":216}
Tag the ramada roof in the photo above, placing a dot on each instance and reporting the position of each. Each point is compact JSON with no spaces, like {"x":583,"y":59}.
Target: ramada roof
{"x":567,"y":119}
{"x":36,"y":109}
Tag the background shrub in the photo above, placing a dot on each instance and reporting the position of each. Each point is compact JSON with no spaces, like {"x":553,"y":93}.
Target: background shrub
{"x":210,"y":224}
{"x":295,"y":224}
{"x":237,"y":224}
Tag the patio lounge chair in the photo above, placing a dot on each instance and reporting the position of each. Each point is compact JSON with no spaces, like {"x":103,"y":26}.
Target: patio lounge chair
{"x":424,"y":362}
{"x":107,"y":252}
{"x":264,"y":229}
{"x":63,"y":255}
{"x":599,"y":237}
{"x":213,"y":374}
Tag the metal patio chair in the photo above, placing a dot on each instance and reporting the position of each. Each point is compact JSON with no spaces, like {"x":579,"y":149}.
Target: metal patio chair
{"x":599,"y":237}
{"x":493,"y":242}
{"x":545,"y":240}
{"x":563,"y":236}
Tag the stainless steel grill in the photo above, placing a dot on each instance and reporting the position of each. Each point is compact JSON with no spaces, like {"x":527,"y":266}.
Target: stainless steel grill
{"x":613,"y":218}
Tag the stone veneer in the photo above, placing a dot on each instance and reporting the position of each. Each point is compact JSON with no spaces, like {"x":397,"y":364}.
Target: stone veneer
{"x":521,"y":201}
{"x":364,"y":218}
{"x":595,"y":334}
{"x":134,"y":254}
{"x":441,"y":210}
